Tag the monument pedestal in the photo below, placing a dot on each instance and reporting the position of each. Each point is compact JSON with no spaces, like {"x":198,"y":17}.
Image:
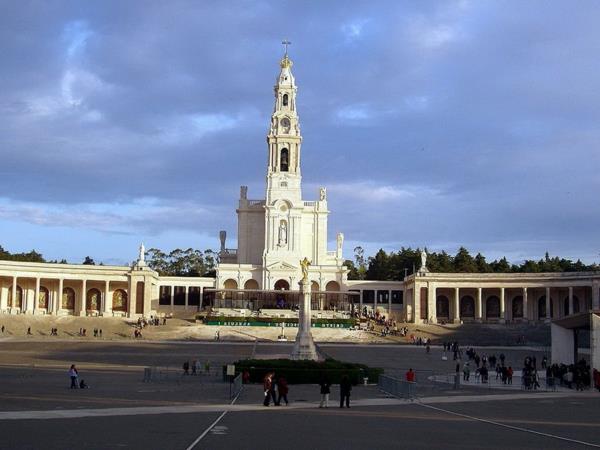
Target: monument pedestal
{"x":304,"y":347}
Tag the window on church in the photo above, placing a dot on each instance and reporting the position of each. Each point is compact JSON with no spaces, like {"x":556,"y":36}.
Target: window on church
{"x":285,"y":99}
{"x":285,"y":157}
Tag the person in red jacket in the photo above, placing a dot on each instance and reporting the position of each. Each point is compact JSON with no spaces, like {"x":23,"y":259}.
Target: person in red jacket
{"x":282,"y":387}
{"x":410,"y":376}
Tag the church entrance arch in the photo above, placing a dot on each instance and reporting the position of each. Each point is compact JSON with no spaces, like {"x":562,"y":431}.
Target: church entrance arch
{"x":230,"y":284}
{"x":43,"y":298}
{"x":517,"y":307}
{"x":542,"y":307}
{"x":282,"y":285}
{"x":251,"y":284}
{"x":442,"y":306}
{"x":467,"y":307}
{"x":492,"y":307}
{"x":68,"y":299}
{"x":16,"y":302}
{"x":92,"y":300}
{"x":332,"y":286}
{"x":120,"y":300}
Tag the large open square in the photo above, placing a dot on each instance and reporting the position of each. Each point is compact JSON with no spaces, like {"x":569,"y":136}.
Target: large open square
{"x":120,"y":410}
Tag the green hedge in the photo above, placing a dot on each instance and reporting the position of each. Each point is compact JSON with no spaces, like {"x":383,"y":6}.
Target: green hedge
{"x":307,"y":372}
{"x":272,"y":321}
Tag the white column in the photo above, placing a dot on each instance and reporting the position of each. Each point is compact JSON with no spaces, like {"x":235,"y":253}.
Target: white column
{"x":3,"y":298}
{"x":431,"y":304}
{"x":82,"y":298}
{"x":201,"y":298}
{"x":548,"y":316}
{"x":456,"y":305}
{"x":172,"y":297}
{"x":58,"y":300}
{"x":478,"y":306}
{"x":187,"y":296}
{"x":36,"y":297}
{"x":417,"y":304}
{"x":107,"y":306}
{"x":570,"y":300}
{"x":525,"y":305}
{"x":14,"y":292}
{"x":502,"y":306}
{"x":360,"y":301}
{"x":595,"y":296}
{"x":389,"y":302}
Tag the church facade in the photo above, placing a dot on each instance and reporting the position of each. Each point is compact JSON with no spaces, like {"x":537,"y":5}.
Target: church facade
{"x":274,"y":234}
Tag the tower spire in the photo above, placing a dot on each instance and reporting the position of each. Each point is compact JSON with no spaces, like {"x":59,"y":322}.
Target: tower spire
{"x":285,"y":42}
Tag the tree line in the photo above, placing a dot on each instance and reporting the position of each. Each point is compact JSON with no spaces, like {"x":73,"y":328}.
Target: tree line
{"x":182,"y":263}
{"x":395,"y":265}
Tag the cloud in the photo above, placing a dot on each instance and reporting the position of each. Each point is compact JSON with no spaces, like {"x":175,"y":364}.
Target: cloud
{"x":431,"y":123}
{"x":353,"y":30}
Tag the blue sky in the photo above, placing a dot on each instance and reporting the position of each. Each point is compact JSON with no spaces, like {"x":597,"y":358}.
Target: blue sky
{"x":435,"y":124}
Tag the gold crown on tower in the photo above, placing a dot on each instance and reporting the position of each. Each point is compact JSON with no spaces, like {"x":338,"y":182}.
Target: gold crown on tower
{"x":286,"y":62}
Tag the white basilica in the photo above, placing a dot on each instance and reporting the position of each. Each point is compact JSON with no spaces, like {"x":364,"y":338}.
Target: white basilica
{"x":274,"y":234}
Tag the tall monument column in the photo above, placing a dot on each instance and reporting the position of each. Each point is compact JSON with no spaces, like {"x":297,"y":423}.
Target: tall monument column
{"x":304,"y":347}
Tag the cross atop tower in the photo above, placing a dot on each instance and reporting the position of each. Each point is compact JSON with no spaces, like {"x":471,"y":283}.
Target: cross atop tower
{"x":285,"y":42}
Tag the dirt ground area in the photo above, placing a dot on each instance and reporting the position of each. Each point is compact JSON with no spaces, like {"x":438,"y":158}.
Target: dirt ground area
{"x":16,"y":327}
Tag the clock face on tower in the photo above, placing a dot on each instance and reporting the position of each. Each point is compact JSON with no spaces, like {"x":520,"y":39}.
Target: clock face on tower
{"x":285,"y":125}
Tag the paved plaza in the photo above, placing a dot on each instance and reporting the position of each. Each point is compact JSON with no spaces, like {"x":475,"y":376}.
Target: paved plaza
{"x":178,"y":412}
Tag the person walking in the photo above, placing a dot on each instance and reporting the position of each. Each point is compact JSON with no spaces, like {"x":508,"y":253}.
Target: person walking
{"x":466,"y":371}
{"x":283,"y":389}
{"x":73,"y":374}
{"x":345,"y":388}
{"x":325,"y":391}
{"x":267,"y":387}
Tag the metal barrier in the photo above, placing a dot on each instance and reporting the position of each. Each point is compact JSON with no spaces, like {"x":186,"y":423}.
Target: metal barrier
{"x":397,"y":388}
{"x":236,"y":386}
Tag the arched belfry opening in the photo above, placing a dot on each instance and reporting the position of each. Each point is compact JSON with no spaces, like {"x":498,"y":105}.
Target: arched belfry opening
{"x":285,"y":100}
{"x":285,"y":160}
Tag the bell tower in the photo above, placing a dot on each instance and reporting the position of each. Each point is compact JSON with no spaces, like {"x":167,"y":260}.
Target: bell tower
{"x":284,"y":139}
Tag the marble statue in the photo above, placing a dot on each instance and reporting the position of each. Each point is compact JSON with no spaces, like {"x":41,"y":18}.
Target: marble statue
{"x":222,"y":237}
{"x":282,"y":233}
{"x":244,"y":192}
{"x":322,"y":194}
{"x":340,"y":242}
{"x":142,"y":255}
{"x":423,"y":259}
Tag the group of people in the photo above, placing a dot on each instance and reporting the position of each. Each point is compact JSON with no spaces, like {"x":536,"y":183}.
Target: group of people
{"x":195,"y":367}
{"x":153,"y":320}
{"x":275,"y":389}
{"x":75,"y":382}
{"x":577,"y":375}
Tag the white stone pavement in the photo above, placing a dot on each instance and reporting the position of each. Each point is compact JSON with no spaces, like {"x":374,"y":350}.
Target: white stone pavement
{"x":183,"y":409}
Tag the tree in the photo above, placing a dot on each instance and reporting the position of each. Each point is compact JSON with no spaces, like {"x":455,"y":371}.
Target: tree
{"x":88,"y":261}
{"x":464,"y":262}
{"x":379,"y":266}
{"x":352,"y":270}
{"x":481,"y":264}
{"x":361,"y":265}
{"x":500,"y":266}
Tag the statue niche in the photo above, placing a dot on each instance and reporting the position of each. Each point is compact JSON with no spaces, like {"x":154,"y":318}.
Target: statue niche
{"x":283,"y":233}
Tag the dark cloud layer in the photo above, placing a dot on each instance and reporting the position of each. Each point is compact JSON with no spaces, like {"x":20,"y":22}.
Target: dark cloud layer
{"x":434,"y":123}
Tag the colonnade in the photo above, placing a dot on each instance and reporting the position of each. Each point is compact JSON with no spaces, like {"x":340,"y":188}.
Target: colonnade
{"x":65,"y":296}
{"x":434,"y":303}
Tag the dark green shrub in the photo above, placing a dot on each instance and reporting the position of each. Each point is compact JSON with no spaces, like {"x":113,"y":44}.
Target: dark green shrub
{"x":307,"y":372}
